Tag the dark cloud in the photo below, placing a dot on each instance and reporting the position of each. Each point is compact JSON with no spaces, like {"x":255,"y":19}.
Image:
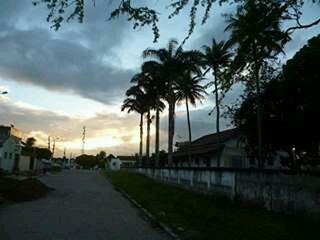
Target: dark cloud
{"x":72,"y":59}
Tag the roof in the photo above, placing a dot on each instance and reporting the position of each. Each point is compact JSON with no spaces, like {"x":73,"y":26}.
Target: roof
{"x":206,"y":144}
{"x":127,"y":158}
{"x":110,"y":157}
{"x":6,"y":132}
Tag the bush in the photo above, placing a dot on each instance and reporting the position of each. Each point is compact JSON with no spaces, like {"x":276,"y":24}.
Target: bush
{"x":55,"y":169}
{"x":3,"y":173}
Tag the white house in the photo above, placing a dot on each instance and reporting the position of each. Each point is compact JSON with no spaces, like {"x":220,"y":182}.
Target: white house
{"x":10,"y":148}
{"x":203,"y":152}
{"x":113,"y":163}
{"x":127,"y":161}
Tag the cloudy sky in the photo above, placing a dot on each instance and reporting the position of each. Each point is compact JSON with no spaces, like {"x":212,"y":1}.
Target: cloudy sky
{"x":60,"y":81}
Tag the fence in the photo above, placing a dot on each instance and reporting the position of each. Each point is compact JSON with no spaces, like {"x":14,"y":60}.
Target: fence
{"x":277,"y":190}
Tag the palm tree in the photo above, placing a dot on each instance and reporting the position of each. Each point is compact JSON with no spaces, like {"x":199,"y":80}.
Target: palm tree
{"x":256,"y":29}
{"x":135,"y":102}
{"x":149,"y":81}
{"x":155,"y":87}
{"x":188,"y":89}
{"x":174,"y":63}
{"x":217,"y":57}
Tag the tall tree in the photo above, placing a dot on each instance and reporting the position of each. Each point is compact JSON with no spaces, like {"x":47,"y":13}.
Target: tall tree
{"x":175,"y":61}
{"x":291,"y":109}
{"x":154,"y":86}
{"x":189,"y":90}
{"x":148,"y":80}
{"x":135,"y":103}
{"x":217,"y":57}
{"x":256,"y":29}
{"x":30,"y":142}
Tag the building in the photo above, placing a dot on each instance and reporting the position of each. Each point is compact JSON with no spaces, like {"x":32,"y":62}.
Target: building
{"x":10,"y":148}
{"x":203,"y":152}
{"x":127,"y":161}
{"x":34,"y":159}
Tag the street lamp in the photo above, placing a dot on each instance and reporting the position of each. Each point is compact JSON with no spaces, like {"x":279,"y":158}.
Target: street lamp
{"x":4,"y":92}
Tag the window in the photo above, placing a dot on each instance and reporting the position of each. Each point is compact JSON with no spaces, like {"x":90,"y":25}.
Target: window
{"x":5,"y":155}
{"x":10,"y":155}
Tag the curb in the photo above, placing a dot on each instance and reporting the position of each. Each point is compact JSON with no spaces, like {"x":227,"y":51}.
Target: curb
{"x":162,"y":225}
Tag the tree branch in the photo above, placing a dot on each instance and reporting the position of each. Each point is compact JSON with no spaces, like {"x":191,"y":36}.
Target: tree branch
{"x":300,"y":26}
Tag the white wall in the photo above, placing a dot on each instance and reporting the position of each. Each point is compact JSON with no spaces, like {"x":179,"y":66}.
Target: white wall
{"x":24,"y":163}
{"x":7,"y":153}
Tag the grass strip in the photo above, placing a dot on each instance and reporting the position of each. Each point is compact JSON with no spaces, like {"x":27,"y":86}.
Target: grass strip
{"x":197,"y":216}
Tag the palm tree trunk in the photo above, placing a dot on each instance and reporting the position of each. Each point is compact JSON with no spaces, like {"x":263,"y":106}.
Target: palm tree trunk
{"x":257,"y":80}
{"x":148,"y":137}
{"x":188,"y":118}
{"x":141,"y":139}
{"x":157,"y":145}
{"x":189,"y":129}
{"x":171,"y":130}
{"x":260,"y":163}
{"x":218,"y":116}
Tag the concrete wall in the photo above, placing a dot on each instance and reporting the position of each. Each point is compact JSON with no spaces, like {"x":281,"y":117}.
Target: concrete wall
{"x":8,"y":152}
{"x":24,"y":163}
{"x":276,"y":190}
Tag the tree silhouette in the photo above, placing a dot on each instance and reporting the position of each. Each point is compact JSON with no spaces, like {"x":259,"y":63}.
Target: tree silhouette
{"x":135,"y":103}
{"x":143,"y":14}
{"x":30,"y":142}
{"x":175,"y":61}
{"x":291,"y":109}
{"x":189,"y":90}
{"x":256,"y":29}
{"x":217,"y":57}
{"x":154,"y":86}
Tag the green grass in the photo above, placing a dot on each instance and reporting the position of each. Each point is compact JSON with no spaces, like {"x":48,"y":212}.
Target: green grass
{"x":197,"y":216}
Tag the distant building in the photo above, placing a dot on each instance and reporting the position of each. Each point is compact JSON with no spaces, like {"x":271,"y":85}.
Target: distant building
{"x":127,"y":161}
{"x":10,"y":148}
{"x":34,"y":159}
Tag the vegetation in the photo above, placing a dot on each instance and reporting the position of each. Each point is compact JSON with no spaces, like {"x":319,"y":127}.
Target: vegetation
{"x":217,"y":58}
{"x":143,"y":14}
{"x":250,"y":56}
{"x":258,"y":34}
{"x":197,"y":216}
{"x":135,"y":102}
{"x":174,"y":63}
{"x":290,"y":109}
{"x":87,"y":161}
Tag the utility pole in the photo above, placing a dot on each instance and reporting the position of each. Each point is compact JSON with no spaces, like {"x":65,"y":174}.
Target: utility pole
{"x":49,"y":143}
{"x":53,"y":147}
{"x":83,"y":139}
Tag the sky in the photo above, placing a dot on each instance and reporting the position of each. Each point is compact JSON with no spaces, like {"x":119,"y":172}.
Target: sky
{"x":60,"y":81}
